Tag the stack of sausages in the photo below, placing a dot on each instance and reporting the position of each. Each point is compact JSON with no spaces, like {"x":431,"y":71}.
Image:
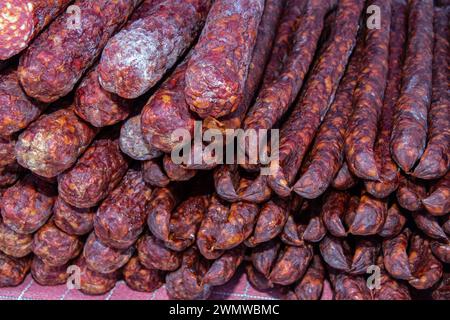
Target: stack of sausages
{"x":92,"y":91}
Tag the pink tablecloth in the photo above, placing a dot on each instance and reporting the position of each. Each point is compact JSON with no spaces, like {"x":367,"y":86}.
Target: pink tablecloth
{"x":237,"y":289}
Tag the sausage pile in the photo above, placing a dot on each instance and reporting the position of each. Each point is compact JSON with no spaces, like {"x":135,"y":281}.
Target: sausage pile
{"x":92,"y":91}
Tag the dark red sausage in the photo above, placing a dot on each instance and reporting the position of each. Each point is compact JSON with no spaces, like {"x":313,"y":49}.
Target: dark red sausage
{"x":21,"y":21}
{"x":387,"y":168}
{"x":298,"y":131}
{"x":295,"y":45}
{"x":165,"y":29}
{"x":435,"y":161}
{"x":218,"y":69}
{"x":59,"y":56}
{"x":409,"y":132}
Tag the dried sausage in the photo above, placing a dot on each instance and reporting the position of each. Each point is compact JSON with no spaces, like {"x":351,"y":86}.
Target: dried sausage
{"x":327,"y":152}
{"x":154,"y":174}
{"x":121,"y":217}
{"x":17,"y":110}
{"x":28,"y":204}
{"x":54,"y":246}
{"x":47,"y":275}
{"x":291,"y":264}
{"x":217,"y":71}
{"x":409,"y":132}
{"x":438,"y":201}
{"x":139,"y":278}
{"x":53,"y":143}
{"x":177,"y":172}
{"x":186,"y":283}
{"x":14,"y":244}
{"x":165,"y":29}
{"x":344,"y":179}
{"x":425,"y":268}
{"x":349,"y":287}
{"x":292,"y":57}
{"x":13,"y":270}
{"x":167,"y":111}
{"x":223,"y":269}
{"x":153,"y":254}
{"x":429,"y":225}
{"x":132,"y":141}
{"x":298,"y":131}
{"x":387,"y":168}
{"x":368,"y":97}
{"x":270,"y":222}
{"x":310,"y":287}
{"x":333,"y":210}
{"x":261,"y":54}
{"x":442,"y":292}
{"x":395,"y":221}
{"x":335,"y":253}
{"x":94,"y":176}
{"x":264,"y":256}
{"x":98,"y":106}
{"x":9,"y":174}
{"x":163,"y":201}
{"x":395,"y":256}
{"x":102,"y":258}
{"x":435,"y":161}
{"x":93,"y":282}
{"x":365,"y":255}
{"x":370,"y":216}
{"x":21,"y":21}
{"x":71,"y":220}
{"x":410,"y":193}
{"x":58,"y":58}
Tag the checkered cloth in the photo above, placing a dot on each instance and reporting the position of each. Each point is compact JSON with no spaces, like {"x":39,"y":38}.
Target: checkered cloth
{"x":237,"y":289}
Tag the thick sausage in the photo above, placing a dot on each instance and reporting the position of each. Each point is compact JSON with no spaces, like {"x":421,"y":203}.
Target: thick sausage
{"x":58,"y":58}
{"x":167,"y":111}
{"x":13,"y":270}
{"x":261,"y":54}
{"x":132,"y":141}
{"x":429,"y":225}
{"x":387,"y":168}
{"x":47,"y":275}
{"x":53,"y":143}
{"x":93,"y":282}
{"x":17,"y":110}
{"x":73,"y":220}
{"x":28,"y":204}
{"x":97,"y":106}
{"x":21,"y":21}
{"x":102,"y":258}
{"x":136,"y":58}
{"x":409,"y":132}
{"x":186,"y":283}
{"x":14,"y":244}
{"x":293,"y":55}
{"x":121,"y":217}
{"x":139,"y":278}
{"x":153,"y":254}
{"x":327,"y":153}
{"x":368,"y":97}
{"x":218,"y":69}
{"x":291,"y":264}
{"x":163,"y":202}
{"x":298,"y":131}
{"x":438,"y":201}
{"x":54,"y":246}
{"x":435,"y":161}
{"x":224,"y":268}
{"x":396,"y":257}
{"x":94,"y":176}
